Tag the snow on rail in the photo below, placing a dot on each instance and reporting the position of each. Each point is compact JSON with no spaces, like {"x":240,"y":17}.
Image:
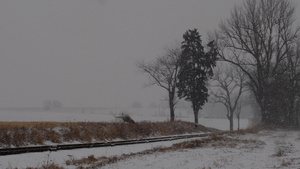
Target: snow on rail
{"x":20,"y":150}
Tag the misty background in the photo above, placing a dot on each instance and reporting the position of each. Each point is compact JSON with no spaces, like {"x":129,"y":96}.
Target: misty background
{"x":83,"y":53}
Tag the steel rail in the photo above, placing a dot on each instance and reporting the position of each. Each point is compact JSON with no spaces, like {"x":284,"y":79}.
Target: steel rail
{"x":20,"y":150}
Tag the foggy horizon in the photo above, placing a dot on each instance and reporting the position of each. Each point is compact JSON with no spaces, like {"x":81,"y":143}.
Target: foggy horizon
{"x":83,"y":53}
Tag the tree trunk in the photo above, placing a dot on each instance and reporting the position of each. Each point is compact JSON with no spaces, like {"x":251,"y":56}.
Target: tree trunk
{"x":265,"y":112}
{"x":230,"y":118}
{"x":231,"y":123}
{"x":297,"y":119}
{"x":172,"y":113}
{"x":291,"y":113}
{"x":297,"y":112}
{"x":171,"y":105}
{"x":265,"y":118}
{"x":263,"y":108}
{"x":196,"y":111}
{"x":238,"y":118}
{"x":196,"y":118}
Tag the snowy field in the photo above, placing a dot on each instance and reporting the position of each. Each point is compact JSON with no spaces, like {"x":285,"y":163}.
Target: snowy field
{"x":178,"y":159}
{"x":279,"y":149}
{"x":108,"y":115}
{"x":272,"y":149}
{"x":276,"y":148}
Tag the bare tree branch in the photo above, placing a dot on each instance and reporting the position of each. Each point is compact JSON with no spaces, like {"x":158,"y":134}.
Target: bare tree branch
{"x":226,"y":87}
{"x":163,"y":72}
{"x":258,"y":39}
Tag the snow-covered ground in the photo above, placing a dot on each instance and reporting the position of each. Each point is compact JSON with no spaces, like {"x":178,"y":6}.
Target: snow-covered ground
{"x":269,"y":149}
{"x":59,"y":157}
{"x":197,"y":158}
{"x":278,"y":149}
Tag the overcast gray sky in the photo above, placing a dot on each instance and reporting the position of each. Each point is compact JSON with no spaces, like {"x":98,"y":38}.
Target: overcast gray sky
{"x":83,"y":52}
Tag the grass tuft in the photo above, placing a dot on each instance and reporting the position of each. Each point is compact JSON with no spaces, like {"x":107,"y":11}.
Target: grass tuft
{"x":279,"y":153}
{"x":286,"y":163}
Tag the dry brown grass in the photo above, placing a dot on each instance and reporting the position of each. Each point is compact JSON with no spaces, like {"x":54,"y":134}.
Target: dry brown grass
{"x":18,"y":134}
{"x":246,"y":131}
{"x":221,"y":163}
{"x":279,"y":153}
{"x":87,"y":160}
{"x":220,"y":142}
{"x":93,"y":162}
{"x":286,"y":163}
{"x":48,"y":166}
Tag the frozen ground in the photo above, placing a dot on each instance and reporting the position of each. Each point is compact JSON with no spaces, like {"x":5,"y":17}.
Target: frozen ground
{"x":279,"y":149}
{"x":179,"y":159}
{"x":271,"y":149}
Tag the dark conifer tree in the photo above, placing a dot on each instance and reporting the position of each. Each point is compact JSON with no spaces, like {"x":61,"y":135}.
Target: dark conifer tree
{"x":196,"y":67}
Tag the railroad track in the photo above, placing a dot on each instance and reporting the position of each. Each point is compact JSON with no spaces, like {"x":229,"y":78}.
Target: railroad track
{"x":10,"y":151}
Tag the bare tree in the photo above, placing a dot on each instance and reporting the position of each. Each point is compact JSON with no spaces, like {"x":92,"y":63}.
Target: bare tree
{"x":226,"y":88}
{"x":163,"y":72}
{"x":258,"y":39}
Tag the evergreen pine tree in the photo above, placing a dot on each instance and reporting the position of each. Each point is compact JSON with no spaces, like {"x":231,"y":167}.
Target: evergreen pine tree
{"x":196,"y":67}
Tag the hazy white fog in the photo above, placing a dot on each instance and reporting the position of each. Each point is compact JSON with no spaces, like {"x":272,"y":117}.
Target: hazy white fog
{"x":83,"y":53}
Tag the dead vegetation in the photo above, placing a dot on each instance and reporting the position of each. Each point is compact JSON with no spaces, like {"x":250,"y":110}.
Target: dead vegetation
{"x":279,"y":153}
{"x":18,"y":134}
{"x":126,"y":118}
{"x":253,"y":130}
{"x":48,"y":166}
{"x":286,"y":163}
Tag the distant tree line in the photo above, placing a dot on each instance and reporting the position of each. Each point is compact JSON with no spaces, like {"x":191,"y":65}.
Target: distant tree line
{"x":258,"y":52}
{"x":52,"y":104}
